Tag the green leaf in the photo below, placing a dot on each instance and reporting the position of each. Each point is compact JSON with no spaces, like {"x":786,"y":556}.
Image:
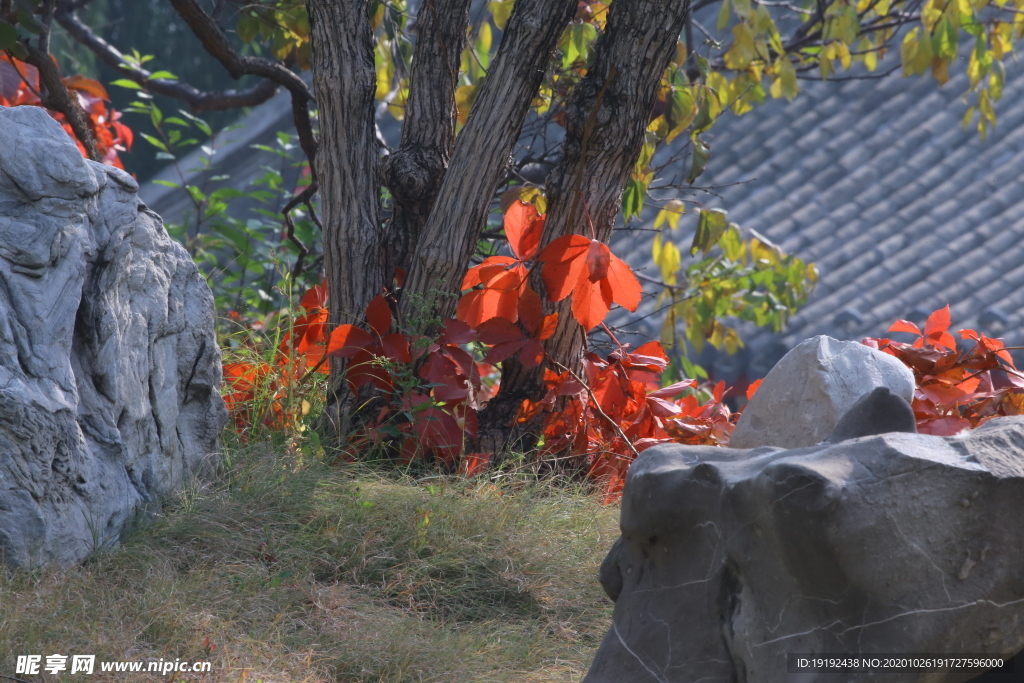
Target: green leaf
{"x":633,"y":199}
{"x":165,"y":75}
{"x":29,"y":23}
{"x":247,"y":28}
{"x":155,"y":142}
{"x":711,"y":226}
{"x":8,"y":36}
{"x":701,"y":153}
{"x":723,"y":16}
{"x":125,"y":83}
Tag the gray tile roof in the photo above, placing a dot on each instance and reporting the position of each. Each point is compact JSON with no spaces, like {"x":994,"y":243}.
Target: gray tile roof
{"x":876,"y":182}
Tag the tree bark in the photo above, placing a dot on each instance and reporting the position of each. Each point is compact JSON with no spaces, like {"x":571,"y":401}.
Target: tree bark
{"x":482,"y":151}
{"x":348,"y":164}
{"x":606,"y":119}
{"x":414,"y":171}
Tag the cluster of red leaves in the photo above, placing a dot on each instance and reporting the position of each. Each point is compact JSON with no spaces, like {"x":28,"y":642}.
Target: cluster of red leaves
{"x":956,"y":390}
{"x":19,"y":85}
{"x":616,"y":410}
{"x":619,"y":409}
{"x":572,"y":265}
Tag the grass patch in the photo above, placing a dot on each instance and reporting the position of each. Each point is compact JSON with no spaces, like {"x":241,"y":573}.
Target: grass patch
{"x":308,"y":573}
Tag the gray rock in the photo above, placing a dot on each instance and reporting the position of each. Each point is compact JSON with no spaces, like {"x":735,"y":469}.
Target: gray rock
{"x":802,"y":398}
{"x":877,"y":412}
{"x":895,"y":543}
{"x":109,"y":369}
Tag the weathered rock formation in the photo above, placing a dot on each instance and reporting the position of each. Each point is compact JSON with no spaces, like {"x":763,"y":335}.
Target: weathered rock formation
{"x":810,"y":389}
{"x":109,"y":370}
{"x":886,"y":543}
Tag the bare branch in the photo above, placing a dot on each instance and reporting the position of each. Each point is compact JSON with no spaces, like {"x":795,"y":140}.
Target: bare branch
{"x":55,"y":96}
{"x":217,"y":44}
{"x":198,"y":100}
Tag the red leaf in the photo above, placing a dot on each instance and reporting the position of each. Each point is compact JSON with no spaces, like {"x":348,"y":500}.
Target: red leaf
{"x":378,"y":315}
{"x":347,"y":340}
{"x":937,"y":322}
{"x":752,"y":389}
{"x":719,"y":391}
{"x":490,"y":302}
{"x":626,"y":289}
{"x":315,"y":297}
{"x":473,"y":464}
{"x":905,"y":326}
{"x":498,"y":330}
{"x":487,"y":270}
{"x":531,"y":315}
{"x":396,"y":347}
{"x":564,"y":260}
{"x":505,"y":350}
{"x":673,"y":389}
{"x":523,"y":228}
{"x":598,"y":257}
{"x":591,"y":301}
{"x":456,"y":332}
{"x":532,"y":354}
{"x":87,"y":85}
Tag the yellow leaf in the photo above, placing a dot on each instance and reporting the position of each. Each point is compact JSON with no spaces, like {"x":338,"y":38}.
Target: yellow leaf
{"x":940,"y":69}
{"x":670,"y":214}
{"x":871,"y":60}
{"x":501,"y":10}
{"x":843,"y":54}
{"x":464,"y":96}
{"x":742,"y":50}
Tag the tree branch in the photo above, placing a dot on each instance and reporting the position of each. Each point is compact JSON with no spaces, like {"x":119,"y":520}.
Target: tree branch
{"x":55,"y":96}
{"x":216,"y":43}
{"x":198,"y":100}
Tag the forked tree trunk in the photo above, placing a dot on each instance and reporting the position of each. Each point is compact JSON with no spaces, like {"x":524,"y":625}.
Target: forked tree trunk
{"x":606,"y":119}
{"x":414,"y":171}
{"x":482,"y":149}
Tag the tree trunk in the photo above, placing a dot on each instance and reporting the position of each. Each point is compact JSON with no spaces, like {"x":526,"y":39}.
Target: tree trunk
{"x":606,"y":119}
{"x":414,"y":171}
{"x":348,"y":165}
{"x":481,"y":153}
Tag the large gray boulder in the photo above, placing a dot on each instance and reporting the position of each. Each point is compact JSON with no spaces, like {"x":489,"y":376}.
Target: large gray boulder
{"x":811,"y":388}
{"x":888,"y":543}
{"x":109,"y":369}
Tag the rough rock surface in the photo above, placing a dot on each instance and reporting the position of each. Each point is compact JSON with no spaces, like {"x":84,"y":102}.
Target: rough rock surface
{"x":802,"y":398}
{"x":895,"y":543}
{"x":109,"y":370}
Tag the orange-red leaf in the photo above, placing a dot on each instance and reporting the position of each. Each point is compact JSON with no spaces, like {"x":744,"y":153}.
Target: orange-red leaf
{"x":905,"y":326}
{"x":87,"y":85}
{"x":491,"y":267}
{"x":347,"y":340}
{"x":937,"y":322}
{"x":523,"y":228}
{"x":591,"y":301}
{"x":752,"y":389}
{"x":626,"y":289}
{"x":564,"y":259}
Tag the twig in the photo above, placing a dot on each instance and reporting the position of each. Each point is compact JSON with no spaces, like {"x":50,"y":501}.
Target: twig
{"x":303,"y":197}
{"x":613,"y":423}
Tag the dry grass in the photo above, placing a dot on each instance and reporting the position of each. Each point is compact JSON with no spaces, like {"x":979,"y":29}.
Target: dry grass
{"x":308,"y":573}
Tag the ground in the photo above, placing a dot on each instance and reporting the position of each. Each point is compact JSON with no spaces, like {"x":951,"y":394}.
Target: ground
{"x":287,"y":571}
